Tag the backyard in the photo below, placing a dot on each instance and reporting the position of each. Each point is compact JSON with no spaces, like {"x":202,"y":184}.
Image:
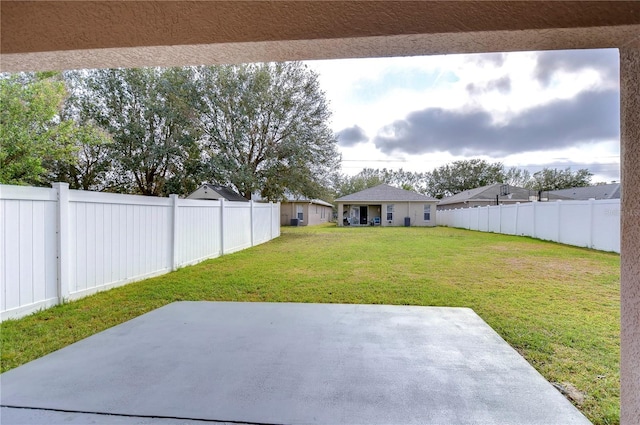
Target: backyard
{"x":559,"y":306}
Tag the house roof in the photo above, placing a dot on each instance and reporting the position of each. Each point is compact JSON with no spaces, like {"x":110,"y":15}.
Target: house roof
{"x":310,"y":201}
{"x":224,"y":191}
{"x":603,"y":191}
{"x":385,"y":193}
{"x":488,"y":193}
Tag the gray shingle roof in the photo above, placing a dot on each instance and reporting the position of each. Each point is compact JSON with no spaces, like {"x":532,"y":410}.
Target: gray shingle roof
{"x":603,"y":191}
{"x":385,"y":193}
{"x":227,"y":193}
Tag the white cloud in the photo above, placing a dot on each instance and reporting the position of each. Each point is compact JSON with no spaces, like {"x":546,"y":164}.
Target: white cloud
{"x":371,"y":94}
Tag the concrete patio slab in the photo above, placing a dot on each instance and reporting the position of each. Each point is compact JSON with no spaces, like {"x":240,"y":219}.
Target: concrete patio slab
{"x":277,"y":363}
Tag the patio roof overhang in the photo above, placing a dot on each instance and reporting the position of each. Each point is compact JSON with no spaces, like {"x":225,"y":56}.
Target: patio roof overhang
{"x":47,"y":35}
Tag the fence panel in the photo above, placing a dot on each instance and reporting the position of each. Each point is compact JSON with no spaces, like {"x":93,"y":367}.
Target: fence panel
{"x":524,"y":226}
{"x":546,"y":220}
{"x":606,"y":225}
{"x":115,"y":239}
{"x":473,"y":220}
{"x":198,"y":231}
{"x":494,"y":219}
{"x":65,"y":244}
{"x":575,"y":219}
{"x":483,"y":219}
{"x":237,"y":226}
{"x":594,"y":223}
{"x":27,"y":235}
{"x":508,"y":218}
{"x":263,"y":222}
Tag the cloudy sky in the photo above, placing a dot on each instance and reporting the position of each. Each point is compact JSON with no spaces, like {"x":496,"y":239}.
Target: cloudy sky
{"x":531,"y":109}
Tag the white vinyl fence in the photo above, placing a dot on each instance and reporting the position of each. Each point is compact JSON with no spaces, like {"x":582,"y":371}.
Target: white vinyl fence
{"x":59,"y":244}
{"x":593,"y":224}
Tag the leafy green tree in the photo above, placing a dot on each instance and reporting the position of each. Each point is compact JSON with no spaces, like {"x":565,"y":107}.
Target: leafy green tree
{"x":90,"y":164}
{"x":554,"y":179}
{"x":266,"y":129}
{"x":151,"y":116}
{"x":517,"y":177}
{"x":368,"y":177}
{"x":31,"y":132}
{"x":463,"y":175}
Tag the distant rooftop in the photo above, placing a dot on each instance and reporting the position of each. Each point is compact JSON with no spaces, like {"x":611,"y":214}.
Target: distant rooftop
{"x":224,"y":191}
{"x":489,"y":193}
{"x":602,"y":191}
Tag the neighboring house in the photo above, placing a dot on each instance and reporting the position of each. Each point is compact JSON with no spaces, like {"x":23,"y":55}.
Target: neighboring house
{"x":602,"y":191}
{"x":214,"y":192}
{"x":494,"y":194}
{"x":307,"y":212}
{"x":386,"y":206}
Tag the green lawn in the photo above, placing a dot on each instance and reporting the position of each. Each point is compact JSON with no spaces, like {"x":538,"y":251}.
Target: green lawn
{"x":559,"y":306}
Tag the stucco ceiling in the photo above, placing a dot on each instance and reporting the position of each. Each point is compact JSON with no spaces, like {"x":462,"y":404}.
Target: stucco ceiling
{"x":85,"y":34}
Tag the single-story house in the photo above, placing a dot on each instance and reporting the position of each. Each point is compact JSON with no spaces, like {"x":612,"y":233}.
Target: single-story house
{"x":215,"y":192}
{"x":386,"y":205}
{"x":307,"y":212}
{"x":601,"y":191}
{"x":494,"y":194}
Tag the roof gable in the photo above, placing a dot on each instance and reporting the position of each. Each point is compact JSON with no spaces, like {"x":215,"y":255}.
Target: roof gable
{"x":223,"y":191}
{"x":385,"y":193}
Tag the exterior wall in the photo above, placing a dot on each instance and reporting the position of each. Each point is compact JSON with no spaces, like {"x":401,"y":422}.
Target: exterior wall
{"x":318,"y":214}
{"x":312,"y":213}
{"x":58,"y":244}
{"x":287,"y":212}
{"x":413,"y":210}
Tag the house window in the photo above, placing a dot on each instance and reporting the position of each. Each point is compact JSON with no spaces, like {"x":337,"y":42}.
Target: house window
{"x":390,"y":212}
{"x":300,"y":213}
{"x":427,"y":212}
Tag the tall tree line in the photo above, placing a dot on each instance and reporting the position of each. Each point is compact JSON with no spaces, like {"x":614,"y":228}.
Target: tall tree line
{"x":462,"y":175}
{"x":259,"y":128}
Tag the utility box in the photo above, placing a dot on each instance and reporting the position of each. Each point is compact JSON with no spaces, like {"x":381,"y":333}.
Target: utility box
{"x":407,"y":221}
{"x":295,"y":222}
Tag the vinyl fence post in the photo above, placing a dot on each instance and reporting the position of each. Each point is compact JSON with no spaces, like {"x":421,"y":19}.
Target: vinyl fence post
{"x":488,"y":218}
{"x":174,"y":232}
{"x":221,"y":226}
{"x":533,"y":215}
{"x":252,"y":219}
{"x":271,"y":219}
{"x":62,"y":246}
{"x":592,"y":223}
